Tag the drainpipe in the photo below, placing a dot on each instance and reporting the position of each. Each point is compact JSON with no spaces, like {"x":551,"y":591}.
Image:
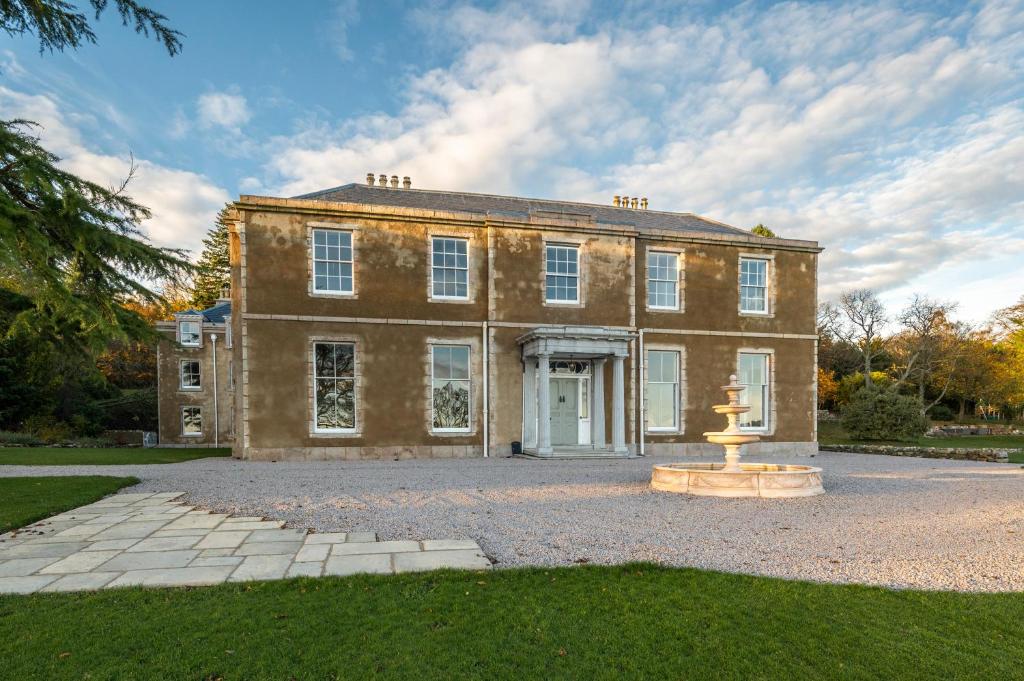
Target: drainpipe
{"x":216,"y":416}
{"x":487,"y":421}
{"x":642,"y":395}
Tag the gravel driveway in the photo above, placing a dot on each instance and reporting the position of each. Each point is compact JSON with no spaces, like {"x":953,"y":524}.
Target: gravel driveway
{"x":893,"y":521}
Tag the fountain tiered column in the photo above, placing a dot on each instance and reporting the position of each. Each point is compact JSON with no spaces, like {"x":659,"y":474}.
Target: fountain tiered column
{"x":735,"y":479}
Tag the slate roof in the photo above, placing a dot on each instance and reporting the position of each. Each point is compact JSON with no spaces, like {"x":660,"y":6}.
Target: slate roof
{"x":486,"y":204}
{"x":216,"y":313}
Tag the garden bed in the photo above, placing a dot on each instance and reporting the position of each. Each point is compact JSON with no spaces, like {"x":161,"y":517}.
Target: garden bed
{"x":957,"y":453}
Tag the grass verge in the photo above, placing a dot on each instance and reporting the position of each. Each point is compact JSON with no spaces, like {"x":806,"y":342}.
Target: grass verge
{"x":100,"y":456}
{"x":26,"y":500}
{"x":625,"y":622}
{"x":832,"y":433}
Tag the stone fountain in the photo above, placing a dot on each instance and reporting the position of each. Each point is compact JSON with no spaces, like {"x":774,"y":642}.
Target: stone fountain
{"x":735,"y":479}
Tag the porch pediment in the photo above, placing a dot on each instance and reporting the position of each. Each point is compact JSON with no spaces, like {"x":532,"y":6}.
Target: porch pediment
{"x":577,"y":342}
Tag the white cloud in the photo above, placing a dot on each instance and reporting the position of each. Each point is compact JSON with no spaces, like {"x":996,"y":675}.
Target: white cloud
{"x":891,"y":135}
{"x":223,"y":110}
{"x":183,"y":203}
{"x":345,"y":16}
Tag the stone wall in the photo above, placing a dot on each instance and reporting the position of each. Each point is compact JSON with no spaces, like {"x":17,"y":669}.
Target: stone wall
{"x":962,"y":454}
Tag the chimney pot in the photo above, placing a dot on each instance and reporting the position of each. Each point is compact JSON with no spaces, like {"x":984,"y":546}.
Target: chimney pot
{"x":369,"y":179}
{"x":382,"y":180}
{"x":633,"y":202}
{"x":407,"y":182}
{"x":625,"y":202}
{"x":394,"y":181}
{"x":643,"y":203}
{"x":616,"y":200}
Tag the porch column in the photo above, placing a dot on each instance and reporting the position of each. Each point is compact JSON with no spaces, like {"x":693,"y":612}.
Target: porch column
{"x":597,"y":413}
{"x":530,"y":403}
{"x":544,"y":403}
{"x":618,"y":404}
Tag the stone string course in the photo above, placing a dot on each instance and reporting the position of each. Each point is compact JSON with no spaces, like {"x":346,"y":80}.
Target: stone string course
{"x":960,"y":454}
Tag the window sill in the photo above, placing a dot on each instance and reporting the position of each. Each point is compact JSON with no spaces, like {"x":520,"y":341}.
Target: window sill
{"x":190,"y":390}
{"x":450,"y":433}
{"x":335,"y":433}
{"x":443,"y":299}
{"x":663,"y":431}
{"x":333,"y":294}
{"x":563,"y":303}
{"x":651,"y":308}
{"x":751,"y":313}
{"x":191,"y":434}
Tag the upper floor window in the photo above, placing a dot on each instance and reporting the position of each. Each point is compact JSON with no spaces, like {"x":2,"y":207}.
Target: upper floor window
{"x":334,"y":392}
{"x":189,"y":333}
{"x":450,"y":387}
{"x":663,"y":280}
{"x":449,"y":271}
{"x":562,"y":278}
{"x":753,"y":285}
{"x":754,"y":374}
{"x":190,"y":379}
{"x":332,"y":261}
{"x":662,"y":390}
{"x":192,"y":421}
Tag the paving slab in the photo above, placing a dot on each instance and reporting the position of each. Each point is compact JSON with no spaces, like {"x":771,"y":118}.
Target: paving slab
{"x":22,"y":567}
{"x":184,"y":576}
{"x":465,"y":559}
{"x":24,"y":585}
{"x":374,"y":547}
{"x":153,"y":540}
{"x":269,"y":548}
{"x":83,"y":561}
{"x":224,"y":539}
{"x":84,"y":581}
{"x":261,"y":568}
{"x":310,"y":569}
{"x":150,"y":561}
{"x":375,"y":563}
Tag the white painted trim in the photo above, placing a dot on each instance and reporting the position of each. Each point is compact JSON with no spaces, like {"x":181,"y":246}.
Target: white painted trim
{"x":680,"y":254}
{"x":181,"y":413}
{"x":181,"y":376}
{"x":772,"y":411}
{"x":569,"y":245}
{"x":430,"y":269}
{"x":681,"y":388}
{"x":352,"y":230}
{"x":356,"y":396}
{"x":769,"y":284}
{"x":468,"y":430}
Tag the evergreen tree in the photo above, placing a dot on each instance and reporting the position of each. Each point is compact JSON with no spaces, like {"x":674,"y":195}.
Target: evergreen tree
{"x":213,"y":271}
{"x":71,"y":251}
{"x":762,"y":230}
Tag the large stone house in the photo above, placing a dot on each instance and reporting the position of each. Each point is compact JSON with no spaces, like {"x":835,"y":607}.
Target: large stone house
{"x":378,"y":321}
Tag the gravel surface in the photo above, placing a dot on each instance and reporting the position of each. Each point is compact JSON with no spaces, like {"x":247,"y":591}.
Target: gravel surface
{"x":894,"y":521}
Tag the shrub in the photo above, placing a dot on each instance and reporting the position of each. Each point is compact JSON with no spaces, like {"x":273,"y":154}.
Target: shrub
{"x":47,"y":428}
{"x":9,"y":439}
{"x":940,"y":412}
{"x":882,"y":414}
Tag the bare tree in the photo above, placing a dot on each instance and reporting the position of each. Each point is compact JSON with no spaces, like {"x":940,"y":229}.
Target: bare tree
{"x":859,"y":323}
{"x":928,"y":347}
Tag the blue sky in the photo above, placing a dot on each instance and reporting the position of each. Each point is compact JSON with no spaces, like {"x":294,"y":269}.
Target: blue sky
{"x":892,"y":133}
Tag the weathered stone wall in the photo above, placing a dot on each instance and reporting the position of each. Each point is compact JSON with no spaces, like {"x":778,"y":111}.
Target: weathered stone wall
{"x":171,"y":398}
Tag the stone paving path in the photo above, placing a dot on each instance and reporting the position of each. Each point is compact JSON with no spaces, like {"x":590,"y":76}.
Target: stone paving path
{"x":150,"y":539}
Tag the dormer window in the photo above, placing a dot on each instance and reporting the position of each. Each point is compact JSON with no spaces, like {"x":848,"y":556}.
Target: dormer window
{"x":189,"y":333}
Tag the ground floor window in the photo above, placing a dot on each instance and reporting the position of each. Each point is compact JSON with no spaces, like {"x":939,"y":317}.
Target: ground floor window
{"x":450,"y":387}
{"x":662,"y":390}
{"x":191,"y":421}
{"x":190,"y":379}
{"x":754,"y":374}
{"x":334,"y":393}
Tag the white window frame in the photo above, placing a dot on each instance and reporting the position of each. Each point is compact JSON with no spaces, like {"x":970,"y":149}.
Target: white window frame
{"x":768,"y":399}
{"x":677,"y":416}
{"x":200,"y":411}
{"x":430,"y":269}
{"x":468,"y":379}
{"x":579,"y":266}
{"x":313,"y":260}
{"x":768,"y":287}
{"x":199,"y":333}
{"x":678,"y":288}
{"x":181,"y":375}
{"x":228,"y":337}
{"x":355,"y":393}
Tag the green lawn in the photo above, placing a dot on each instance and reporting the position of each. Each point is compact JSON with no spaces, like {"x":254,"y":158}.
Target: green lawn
{"x":99,"y":456}
{"x":26,"y":500}
{"x":831,"y":432}
{"x":628,"y":622}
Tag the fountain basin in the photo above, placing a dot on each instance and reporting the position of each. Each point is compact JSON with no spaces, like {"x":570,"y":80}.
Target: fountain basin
{"x":720,"y":438}
{"x":767,"y":480}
